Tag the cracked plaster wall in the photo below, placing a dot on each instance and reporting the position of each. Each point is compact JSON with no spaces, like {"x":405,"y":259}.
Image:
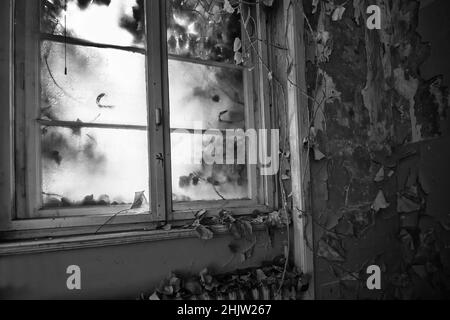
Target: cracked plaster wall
{"x":380,"y":194}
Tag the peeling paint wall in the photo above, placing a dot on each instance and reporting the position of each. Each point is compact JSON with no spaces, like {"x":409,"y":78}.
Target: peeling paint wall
{"x":380,"y":183}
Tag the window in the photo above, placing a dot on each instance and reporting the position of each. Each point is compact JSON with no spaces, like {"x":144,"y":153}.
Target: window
{"x":115,"y":98}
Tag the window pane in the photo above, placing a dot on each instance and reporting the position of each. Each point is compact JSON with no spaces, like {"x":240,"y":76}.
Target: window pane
{"x":117,"y":22}
{"x":101,"y":85}
{"x":195,"y":180}
{"x":85,"y":167}
{"x":202,"y":29}
{"x":203,"y":97}
{"x":209,"y":97}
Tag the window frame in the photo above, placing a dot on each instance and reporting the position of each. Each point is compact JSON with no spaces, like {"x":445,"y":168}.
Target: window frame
{"x":23,"y":224}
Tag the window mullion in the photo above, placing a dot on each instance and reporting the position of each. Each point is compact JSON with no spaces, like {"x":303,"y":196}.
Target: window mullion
{"x":159,"y":134}
{"x":32,"y":181}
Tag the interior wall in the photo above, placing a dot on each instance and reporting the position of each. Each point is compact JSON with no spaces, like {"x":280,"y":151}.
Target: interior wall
{"x":380,"y":163}
{"x":123,"y":272}
{"x":108,"y":272}
{"x":434,"y":28}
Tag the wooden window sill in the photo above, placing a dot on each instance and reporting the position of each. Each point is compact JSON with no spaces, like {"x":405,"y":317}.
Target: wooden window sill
{"x":100,"y":240}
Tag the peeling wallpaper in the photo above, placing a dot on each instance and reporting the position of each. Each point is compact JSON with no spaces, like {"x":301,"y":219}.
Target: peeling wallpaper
{"x":379,"y":194}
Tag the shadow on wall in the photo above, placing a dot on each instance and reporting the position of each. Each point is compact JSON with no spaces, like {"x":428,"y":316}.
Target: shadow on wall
{"x":434,"y":27}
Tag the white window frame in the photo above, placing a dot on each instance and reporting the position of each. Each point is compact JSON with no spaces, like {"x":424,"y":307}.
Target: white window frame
{"x":23,"y":221}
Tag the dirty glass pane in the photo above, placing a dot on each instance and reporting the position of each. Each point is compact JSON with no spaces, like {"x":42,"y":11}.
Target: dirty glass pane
{"x":195,"y":180}
{"x":116,"y":22}
{"x":100,"y":85}
{"x":205,"y":98}
{"x":86,"y":167}
{"x":202,"y":29}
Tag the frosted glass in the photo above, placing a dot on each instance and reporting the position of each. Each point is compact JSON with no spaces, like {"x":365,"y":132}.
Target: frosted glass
{"x":93,"y":166}
{"x":203,"y":97}
{"x":209,"y":97}
{"x":199,"y":181}
{"x":101,"y":85}
{"x":117,"y":22}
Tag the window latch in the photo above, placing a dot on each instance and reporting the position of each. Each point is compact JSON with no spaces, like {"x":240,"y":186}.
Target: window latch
{"x":158,"y":116}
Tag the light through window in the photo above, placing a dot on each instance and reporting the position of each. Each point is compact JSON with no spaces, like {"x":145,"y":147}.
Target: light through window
{"x":206,"y":93}
{"x":93,"y":109}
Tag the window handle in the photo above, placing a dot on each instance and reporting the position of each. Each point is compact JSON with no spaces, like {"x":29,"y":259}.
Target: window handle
{"x":158,"y":116}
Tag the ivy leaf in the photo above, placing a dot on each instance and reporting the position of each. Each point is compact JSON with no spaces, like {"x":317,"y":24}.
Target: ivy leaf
{"x":237,"y":45}
{"x":238,"y":58}
{"x":228,"y":7}
{"x":338,"y":13}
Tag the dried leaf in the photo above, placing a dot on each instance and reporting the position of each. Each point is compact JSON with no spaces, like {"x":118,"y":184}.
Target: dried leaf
{"x":204,"y":233}
{"x":154,"y":297}
{"x":248,"y":230}
{"x":260,"y":275}
{"x":99,"y":102}
{"x":139,"y":200}
{"x":193,"y":286}
{"x":200,"y":214}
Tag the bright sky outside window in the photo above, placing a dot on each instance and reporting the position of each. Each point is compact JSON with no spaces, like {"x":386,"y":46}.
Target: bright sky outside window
{"x":205,"y":97}
{"x":85,"y":166}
